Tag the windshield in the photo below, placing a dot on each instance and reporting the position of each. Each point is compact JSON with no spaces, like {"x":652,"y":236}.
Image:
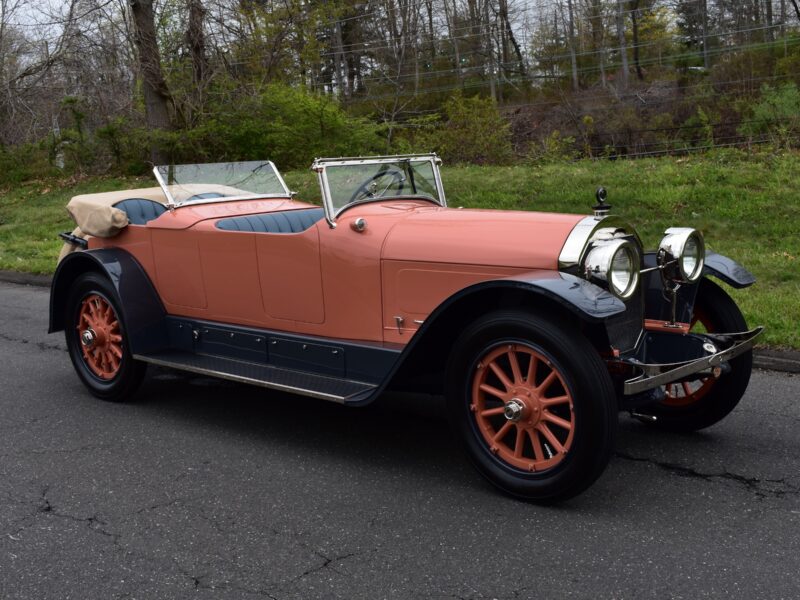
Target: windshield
{"x":213,"y":182}
{"x":363,"y":181}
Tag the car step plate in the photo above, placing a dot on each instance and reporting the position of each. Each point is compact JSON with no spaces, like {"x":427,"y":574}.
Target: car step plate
{"x":287,"y":380}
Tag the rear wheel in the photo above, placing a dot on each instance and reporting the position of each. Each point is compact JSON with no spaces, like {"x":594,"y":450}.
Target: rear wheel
{"x":698,"y":404}
{"x":533,"y":405}
{"x":97,"y":340}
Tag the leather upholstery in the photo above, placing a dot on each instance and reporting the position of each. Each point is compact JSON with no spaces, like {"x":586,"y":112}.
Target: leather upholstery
{"x":288,"y":221}
{"x":140,"y":211}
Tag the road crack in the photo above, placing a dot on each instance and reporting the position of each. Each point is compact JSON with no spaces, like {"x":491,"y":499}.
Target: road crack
{"x":326,"y":563}
{"x":761,"y":488}
{"x":43,"y":346}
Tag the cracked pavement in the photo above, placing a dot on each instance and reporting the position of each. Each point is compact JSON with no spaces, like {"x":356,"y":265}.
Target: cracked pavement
{"x":207,"y":489}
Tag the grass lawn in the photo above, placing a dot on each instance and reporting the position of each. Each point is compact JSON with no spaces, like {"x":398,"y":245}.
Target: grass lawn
{"x":747,"y":206}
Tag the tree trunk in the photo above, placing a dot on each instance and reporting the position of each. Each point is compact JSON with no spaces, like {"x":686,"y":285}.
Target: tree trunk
{"x":768,"y":13}
{"x":157,"y":98}
{"x":623,"y":45}
{"x":196,"y":40}
{"x":598,"y":37}
{"x":706,"y":55}
{"x":635,"y":23}
{"x":572,"y":56}
{"x":453,"y":37}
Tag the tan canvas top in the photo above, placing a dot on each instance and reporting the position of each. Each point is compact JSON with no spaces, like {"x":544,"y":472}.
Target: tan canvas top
{"x":95,"y":214}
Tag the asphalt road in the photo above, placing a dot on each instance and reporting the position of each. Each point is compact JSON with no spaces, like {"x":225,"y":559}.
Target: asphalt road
{"x":205,"y":489}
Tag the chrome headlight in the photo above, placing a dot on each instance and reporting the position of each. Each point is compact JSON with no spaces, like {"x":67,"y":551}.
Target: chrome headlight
{"x":682,"y":254}
{"x":615,"y":262}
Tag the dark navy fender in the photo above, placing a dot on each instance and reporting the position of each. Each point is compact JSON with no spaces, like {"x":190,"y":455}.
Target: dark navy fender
{"x":585,"y":300}
{"x":142,"y":311}
{"x":728,"y":270}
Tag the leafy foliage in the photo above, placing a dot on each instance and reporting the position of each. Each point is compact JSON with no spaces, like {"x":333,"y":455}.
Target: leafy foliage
{"x":470,"y":130}
{"x":776,"y":114}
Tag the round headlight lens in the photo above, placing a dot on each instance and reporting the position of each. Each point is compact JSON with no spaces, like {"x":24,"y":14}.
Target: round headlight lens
{"x":622,"y":271}
{"x":691,"y":261}
{"x":616,"y":263}
{"x":682,"y":254}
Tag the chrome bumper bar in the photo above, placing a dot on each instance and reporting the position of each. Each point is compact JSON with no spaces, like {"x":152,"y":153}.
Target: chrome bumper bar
{"x":655,"y":375}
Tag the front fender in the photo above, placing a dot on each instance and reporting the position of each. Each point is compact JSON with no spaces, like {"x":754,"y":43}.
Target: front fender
{"x":142,"y":311}
{"x":579,"y":296}
{"x":728,"y":270}
{"x":555,"y":293}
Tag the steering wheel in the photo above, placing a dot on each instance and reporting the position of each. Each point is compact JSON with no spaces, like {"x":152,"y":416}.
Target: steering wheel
{"x":368,"y":189}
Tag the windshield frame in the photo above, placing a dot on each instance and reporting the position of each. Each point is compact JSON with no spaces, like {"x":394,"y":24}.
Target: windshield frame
{"x":331,"y":213}
{"x":172,"y":203}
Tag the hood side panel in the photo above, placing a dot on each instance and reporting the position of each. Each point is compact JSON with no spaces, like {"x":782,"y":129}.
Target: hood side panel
{"x":524,"y":240}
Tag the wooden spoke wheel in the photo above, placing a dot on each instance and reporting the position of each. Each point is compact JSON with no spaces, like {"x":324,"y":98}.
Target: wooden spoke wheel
{"x":100,"y":336}
{"x":522,"y":407}
{"x":532,"y":403}
{"x":97,"y":340}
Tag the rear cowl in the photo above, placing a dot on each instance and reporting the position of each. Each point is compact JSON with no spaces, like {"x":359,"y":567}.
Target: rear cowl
{"x":480,"y":237}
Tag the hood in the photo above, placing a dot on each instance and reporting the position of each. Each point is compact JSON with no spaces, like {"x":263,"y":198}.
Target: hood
{"x":529,"y":240}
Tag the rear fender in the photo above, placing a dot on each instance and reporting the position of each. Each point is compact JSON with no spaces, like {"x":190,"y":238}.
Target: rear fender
{"x":142,"y":311}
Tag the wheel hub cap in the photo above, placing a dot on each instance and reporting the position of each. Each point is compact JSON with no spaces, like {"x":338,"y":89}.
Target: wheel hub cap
{"x":513,"y":410}
{"x":88,"y":337}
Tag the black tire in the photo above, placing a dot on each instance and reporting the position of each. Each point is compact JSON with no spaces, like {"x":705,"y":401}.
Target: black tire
{"x":580,"y":374}
{"x":718,"y":313}
{"x":123,"y":379}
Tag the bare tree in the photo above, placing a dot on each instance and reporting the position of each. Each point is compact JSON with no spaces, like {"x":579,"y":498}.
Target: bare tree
{"x":157,"y":98}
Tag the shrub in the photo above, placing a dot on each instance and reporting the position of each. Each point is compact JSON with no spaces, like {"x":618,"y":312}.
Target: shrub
{"x":776,"y":115}
{"x":470,"y":130}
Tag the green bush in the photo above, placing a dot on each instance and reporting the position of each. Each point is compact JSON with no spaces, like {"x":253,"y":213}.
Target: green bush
{"x":470,"y":130}
{"x":284,"y":124}
{"x":777,"y":115}
{"x":25,"y":162}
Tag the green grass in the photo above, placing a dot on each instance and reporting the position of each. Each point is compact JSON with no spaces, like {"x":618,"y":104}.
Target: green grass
{"x":746,"y":205}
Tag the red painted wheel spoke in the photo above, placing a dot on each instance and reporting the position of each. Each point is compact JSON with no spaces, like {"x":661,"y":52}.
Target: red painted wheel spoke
{"x":686,"y":389}
{"x":551,"y":377}
{"x":490,"y":412}
{"x":501,"y":375}
{"x":538,"y":452}
{"x":551,"y":438}
{"x":530,"y":378}
{"x":556,"y":420}
{"x":555,"y":401}
{"x":501,"y":433}
{"x":520,"y":442}
{"x":492,"y":391}
{"x":513,"y":359}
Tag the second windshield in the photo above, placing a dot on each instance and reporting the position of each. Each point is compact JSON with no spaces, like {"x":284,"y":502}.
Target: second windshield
{"x":357,"y":183}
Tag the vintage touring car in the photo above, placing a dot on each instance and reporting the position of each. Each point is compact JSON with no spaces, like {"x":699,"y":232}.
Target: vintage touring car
{"x":538,"y":328}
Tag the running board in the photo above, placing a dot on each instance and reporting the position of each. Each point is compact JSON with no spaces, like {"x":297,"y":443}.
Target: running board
{"x":285,"y":380}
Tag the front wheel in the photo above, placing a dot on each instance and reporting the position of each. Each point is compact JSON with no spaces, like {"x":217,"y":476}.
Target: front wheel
{"x":533,"y":405}
{"x":698,"y":404}
{"x":97,"y":340}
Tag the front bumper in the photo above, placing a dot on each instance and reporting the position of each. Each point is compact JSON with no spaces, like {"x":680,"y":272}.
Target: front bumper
{"x":662,"y":358}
